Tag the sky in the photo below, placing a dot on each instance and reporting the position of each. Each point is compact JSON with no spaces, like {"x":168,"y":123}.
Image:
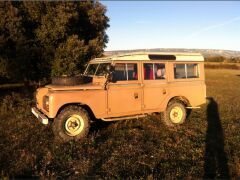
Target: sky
{"x":173,"y":24}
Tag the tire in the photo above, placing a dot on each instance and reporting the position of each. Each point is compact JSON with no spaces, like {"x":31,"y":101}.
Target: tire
{"x":68,"y":81}
{"x":175,"y":114}
{"x":72,"y":123}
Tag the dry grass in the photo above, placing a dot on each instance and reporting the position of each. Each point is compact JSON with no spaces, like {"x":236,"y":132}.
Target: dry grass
{"x":221,"y":65}
{"x":135,"y":148}
{"x":10,"y":86}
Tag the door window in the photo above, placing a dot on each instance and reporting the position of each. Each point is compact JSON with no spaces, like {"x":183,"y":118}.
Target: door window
{"x":125,"y":72}
{"x":154,"y":71}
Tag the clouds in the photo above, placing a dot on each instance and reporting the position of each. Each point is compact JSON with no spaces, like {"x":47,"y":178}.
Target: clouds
{"x":215,"y":26}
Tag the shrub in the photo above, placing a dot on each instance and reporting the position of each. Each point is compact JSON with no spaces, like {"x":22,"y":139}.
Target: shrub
{"x":15,"y":103}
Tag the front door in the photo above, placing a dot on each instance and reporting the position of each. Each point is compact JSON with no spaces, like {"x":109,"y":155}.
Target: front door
{"x":125,"y":94}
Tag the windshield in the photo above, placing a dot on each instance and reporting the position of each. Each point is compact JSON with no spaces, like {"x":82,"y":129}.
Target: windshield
{"x":91,"y":69}
{"x":96,"y":69}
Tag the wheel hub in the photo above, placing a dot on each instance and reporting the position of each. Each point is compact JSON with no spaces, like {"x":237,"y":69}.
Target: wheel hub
{"x":74,"y":125}
{"x":176,"y":114}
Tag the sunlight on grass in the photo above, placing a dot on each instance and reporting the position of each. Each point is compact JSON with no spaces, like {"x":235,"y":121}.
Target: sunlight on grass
{"x":142,"y":148}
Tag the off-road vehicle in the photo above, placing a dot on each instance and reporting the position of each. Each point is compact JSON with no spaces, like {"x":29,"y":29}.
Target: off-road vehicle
{"x":123,"y":87}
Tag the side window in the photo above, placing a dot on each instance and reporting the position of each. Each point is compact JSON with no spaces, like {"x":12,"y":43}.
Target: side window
{"x":148,"y":71}
{"x":120,"y":73}
{"x":160,"y":71}
{"x":192,"y":71}
{"x":132,"y":71}
{"x":183,"y":71}
{"x":153,"y":71}
{"x":179,"y":71}
{"x":125,"y":72}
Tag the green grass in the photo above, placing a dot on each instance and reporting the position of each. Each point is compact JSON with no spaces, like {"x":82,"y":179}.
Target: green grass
{"x":142,"y":148}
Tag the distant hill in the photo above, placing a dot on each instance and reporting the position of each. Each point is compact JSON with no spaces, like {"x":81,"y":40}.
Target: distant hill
{"x":209,"y":54}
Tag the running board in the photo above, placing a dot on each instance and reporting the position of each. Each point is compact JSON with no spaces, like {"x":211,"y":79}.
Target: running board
{"x":123,"y":118}
{"x":196,"y":107}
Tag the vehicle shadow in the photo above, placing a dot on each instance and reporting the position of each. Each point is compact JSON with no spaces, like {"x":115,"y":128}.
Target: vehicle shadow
{"x":216,"y":161}
{"x":99,"y":125}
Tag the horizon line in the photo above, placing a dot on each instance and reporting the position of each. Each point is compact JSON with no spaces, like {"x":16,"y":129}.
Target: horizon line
{"x":172,"y":48}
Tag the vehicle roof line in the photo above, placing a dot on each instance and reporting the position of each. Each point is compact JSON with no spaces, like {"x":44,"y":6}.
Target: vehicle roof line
{"x":144,"y":56}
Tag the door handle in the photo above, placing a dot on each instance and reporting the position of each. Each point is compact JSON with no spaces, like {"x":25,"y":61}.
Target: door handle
{"x":164,"y":91}
{"x":135,"y":95}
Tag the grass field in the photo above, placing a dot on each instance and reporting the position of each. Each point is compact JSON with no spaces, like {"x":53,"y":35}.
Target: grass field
{"x":205,"y":146}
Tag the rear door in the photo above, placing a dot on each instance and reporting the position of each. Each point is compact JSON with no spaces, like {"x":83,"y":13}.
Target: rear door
{"x":154,"y":85}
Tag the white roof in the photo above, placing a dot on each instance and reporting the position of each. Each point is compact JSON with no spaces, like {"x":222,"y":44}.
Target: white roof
{"x":145,"y":56}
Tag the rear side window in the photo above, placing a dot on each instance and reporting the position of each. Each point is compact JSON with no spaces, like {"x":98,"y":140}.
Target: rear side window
{"x":184,"y":71}
{"x":153,"y":71}
{"x":192,"y":71}
{"x":125,"y":72}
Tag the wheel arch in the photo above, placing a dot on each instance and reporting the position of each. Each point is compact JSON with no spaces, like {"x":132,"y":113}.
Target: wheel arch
{"x":180,"y":98}
{"x":84,"y":106}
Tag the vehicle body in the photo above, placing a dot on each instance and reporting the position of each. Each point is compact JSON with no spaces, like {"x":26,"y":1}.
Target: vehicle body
{"x":139,"y":84}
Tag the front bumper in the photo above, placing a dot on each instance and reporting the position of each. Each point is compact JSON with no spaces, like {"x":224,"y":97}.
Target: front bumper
{"x":39,"y":115}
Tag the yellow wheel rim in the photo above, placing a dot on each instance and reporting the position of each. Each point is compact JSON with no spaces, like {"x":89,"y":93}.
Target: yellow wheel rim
{"x":176,"y":114}
{"x":74,"y":125}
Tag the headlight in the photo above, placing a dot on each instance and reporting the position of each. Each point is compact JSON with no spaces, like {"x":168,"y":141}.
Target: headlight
{"x":46,"y":103}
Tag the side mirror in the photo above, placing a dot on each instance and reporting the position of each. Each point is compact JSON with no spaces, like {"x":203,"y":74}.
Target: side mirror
{"x":110,"y":74}
{"x":110,"y":68}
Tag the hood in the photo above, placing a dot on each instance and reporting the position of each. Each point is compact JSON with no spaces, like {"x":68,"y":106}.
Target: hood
{"x":75,"y":87}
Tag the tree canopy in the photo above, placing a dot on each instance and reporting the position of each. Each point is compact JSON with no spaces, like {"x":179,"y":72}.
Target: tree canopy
{"x":43,"y":39}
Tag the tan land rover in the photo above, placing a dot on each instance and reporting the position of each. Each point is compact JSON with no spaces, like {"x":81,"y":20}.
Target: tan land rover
{"x":123,"y":87}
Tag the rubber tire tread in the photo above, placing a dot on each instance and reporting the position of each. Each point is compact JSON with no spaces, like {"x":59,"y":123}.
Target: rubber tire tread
{"x":58,"y":124}
{"x":67,"y":81}
{"x":165,"y":116}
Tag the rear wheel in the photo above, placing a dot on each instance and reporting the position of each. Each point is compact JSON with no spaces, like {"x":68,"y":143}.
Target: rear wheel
{"x":72,"y":123}
{"x":175,"y":114}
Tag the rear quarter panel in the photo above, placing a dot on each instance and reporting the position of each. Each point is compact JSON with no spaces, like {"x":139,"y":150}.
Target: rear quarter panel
{"x":193,"y":89}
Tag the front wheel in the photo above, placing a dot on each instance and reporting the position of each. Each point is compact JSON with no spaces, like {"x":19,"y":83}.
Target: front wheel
{"x":72,"y":123}
{"x":175,"y":114}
